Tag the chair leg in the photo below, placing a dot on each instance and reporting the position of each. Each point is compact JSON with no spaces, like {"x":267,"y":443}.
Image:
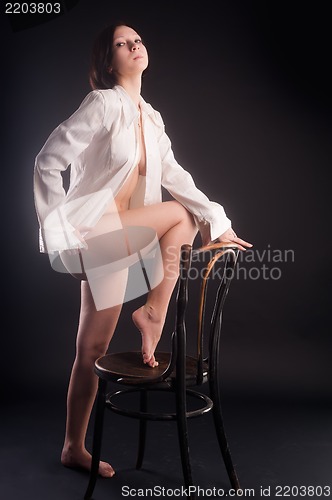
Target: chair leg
{"x":142,"y":429}
{"x":220,"y":431}
{"x":184,"y":442}
{"x":182,"y":425}
{"x":97,"y":437}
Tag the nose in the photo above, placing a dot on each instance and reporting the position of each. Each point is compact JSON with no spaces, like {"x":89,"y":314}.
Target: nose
{"x":134,"y":47}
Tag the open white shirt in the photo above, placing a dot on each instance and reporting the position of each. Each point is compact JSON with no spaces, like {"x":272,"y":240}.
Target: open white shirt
{"x":100,"y":143}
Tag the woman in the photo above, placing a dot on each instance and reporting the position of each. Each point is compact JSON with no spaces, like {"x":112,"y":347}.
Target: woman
{"x":120,"y":157}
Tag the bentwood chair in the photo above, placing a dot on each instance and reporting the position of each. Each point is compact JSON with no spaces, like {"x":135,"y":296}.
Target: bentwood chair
{"x":177,"y":372}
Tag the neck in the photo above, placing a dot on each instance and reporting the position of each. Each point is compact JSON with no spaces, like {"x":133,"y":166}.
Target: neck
{"x":133,"y":87}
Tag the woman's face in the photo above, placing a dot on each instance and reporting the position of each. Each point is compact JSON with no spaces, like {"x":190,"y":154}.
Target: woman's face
{"x":130,"y":56}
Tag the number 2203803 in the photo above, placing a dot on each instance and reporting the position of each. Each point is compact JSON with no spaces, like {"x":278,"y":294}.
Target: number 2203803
{"x":33,"y":8}
{"x":302,"y":491}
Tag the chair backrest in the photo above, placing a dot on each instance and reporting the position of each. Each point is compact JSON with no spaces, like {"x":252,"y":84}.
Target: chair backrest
{"x":220,"y":267}
{"x":220,"y":254}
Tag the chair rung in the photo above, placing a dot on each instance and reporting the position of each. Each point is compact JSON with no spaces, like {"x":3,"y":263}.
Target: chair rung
{"x":157,"y":416}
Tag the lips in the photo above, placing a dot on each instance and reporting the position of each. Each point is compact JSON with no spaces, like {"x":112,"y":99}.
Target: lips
{"x":138,"y":57}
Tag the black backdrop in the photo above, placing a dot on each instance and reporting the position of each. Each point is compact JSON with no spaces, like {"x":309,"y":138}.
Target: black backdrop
{"x":245,"y":96}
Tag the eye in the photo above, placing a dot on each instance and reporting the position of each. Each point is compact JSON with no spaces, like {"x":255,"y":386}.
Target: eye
{"x":138,"y":40}
{"x":120,"y":44}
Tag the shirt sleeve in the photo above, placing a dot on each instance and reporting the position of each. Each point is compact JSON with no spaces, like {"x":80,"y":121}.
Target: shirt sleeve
{"x":209,"y":216}
{"x":64,"y":145}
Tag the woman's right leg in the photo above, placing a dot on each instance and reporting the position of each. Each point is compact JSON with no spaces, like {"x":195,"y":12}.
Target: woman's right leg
{"x":95,"y":332}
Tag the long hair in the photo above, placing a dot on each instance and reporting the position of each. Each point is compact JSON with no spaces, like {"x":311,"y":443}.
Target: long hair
{"x":101,"y":58}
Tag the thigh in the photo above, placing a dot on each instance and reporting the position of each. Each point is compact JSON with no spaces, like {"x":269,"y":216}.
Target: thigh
{"x":96,"y":328}
{"x":161,"y":217}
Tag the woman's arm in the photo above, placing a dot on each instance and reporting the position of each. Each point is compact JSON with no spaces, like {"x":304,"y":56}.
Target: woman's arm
{"x":210,"y":217}
{"x":62,"y":147}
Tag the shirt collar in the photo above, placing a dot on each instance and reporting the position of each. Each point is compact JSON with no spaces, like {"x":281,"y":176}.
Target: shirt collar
{"x":129,"y":109}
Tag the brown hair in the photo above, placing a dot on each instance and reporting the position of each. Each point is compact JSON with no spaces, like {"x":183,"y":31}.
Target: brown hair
{"x":101,"y":58}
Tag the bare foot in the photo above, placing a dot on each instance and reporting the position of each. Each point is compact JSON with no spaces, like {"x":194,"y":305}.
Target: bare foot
{"x":82,"y":460}
{"x":150,"y":327}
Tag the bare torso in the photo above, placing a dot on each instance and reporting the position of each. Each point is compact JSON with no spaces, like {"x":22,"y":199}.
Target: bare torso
{"x":122,"y":199}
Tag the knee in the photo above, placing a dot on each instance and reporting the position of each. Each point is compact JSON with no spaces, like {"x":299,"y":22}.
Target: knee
{"x":95,"y":332}
{"x":188,"y":222}
{"x":87,"y":354}
{"x":184,"y":215}
{"x":98,"y":350}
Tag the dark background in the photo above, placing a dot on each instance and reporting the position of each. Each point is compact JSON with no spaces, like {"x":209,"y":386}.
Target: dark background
{"x":245,"y":94}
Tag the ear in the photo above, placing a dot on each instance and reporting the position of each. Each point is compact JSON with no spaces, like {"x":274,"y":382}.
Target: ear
{"x":109,"y":69}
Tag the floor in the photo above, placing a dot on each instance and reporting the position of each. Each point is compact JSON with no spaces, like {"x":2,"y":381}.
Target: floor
{"x":275,"y":444}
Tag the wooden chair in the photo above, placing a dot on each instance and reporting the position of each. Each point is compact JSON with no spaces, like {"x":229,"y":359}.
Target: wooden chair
{"x":177,"y":371}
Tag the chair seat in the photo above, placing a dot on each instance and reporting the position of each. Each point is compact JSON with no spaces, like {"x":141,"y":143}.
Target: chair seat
{"x":130,"y":365}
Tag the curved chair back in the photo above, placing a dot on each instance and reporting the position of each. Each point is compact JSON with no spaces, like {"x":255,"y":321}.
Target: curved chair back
{"x":221,"y":264}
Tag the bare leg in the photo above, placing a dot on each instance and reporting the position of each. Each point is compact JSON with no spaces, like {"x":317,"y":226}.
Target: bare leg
{"x":174,"y":226}
{"x":95,"y":331}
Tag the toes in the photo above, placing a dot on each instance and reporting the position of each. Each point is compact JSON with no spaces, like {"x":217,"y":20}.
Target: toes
{"x":153,"y":363}
{"x":146,"y":357}
{"x":106,"y":470}
{"x":150,"y":360}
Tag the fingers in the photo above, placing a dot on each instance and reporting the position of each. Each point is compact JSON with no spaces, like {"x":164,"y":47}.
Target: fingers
{"x":238,"y":245}
{"x":242,"y":242}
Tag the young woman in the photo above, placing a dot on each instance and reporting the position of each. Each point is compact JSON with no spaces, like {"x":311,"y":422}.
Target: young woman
{"x":120,"y":156}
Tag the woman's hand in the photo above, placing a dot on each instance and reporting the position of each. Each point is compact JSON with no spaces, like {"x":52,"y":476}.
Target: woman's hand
{"x":230,"y":236}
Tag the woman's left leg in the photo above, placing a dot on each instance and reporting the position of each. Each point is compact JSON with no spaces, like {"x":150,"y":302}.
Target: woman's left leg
{"x":150,"y":318}
{"x":174,"y":226}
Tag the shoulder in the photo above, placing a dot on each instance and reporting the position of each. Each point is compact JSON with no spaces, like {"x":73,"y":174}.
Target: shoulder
{"x":107,"y":98}
{"x":154,"y":115}
{"x":104,"y":102}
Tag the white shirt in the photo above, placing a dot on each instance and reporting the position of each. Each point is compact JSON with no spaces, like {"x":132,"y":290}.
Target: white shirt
{"x":100,"y":143}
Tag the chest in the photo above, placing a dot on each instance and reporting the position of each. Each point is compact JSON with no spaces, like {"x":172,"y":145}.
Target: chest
{"x":141,"y":149}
